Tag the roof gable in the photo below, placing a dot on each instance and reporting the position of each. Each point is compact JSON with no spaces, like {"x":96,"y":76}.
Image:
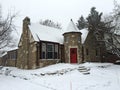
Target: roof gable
{"x":46,"y":33}
{"x":84,"y":35}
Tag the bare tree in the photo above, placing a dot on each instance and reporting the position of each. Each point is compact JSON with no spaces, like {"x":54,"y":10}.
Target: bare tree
{"x":114,"y":34}
{"x":6,"y":27}
{"x":50,"y":23}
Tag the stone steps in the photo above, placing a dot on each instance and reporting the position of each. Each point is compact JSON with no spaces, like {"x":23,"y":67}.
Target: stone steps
{"x":84,"y":70}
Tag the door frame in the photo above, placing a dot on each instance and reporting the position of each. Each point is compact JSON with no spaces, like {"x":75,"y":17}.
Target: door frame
{"x":69,"y":52}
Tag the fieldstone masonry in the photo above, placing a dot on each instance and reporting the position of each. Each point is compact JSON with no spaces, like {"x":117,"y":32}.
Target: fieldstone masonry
{"x":72,"y":40}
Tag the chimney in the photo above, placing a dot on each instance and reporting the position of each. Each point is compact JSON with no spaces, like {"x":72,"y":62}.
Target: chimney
{"x":26,"y":21}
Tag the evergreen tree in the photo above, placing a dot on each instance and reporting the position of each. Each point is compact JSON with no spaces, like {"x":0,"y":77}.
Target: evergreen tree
{"x":81,"y":23}
{"x":94,"y":18}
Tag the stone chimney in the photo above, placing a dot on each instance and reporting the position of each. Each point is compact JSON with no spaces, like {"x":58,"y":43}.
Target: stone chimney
{"x":26,"y":22}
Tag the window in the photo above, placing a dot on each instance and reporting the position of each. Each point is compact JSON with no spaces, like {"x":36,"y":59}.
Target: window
{"x":50,"y":51}
{"x":79,"y":39}
{"x":66,"y":39}
{"x":12,"y":55}
{"x":87,"y":52}
{"x":43,"y":56}
{"x":56,"y":52}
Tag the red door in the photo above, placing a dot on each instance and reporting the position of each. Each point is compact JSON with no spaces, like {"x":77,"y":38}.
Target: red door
{"x":73,"y":55}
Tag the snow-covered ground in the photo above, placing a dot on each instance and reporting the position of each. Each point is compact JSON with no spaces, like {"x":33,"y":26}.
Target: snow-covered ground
{"x":87,"y":76}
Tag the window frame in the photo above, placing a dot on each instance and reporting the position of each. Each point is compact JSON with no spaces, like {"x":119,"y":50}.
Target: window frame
{"x":12,"y":55}
{"x":54,"y":51}
{"x":50,"y":53}
{"x":42,"y":51}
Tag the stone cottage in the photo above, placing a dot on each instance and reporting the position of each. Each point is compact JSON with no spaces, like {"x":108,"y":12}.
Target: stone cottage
{"x":41,"y":45}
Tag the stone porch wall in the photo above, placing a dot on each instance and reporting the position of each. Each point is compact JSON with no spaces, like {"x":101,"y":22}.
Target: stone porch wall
{"x":43,"y":63}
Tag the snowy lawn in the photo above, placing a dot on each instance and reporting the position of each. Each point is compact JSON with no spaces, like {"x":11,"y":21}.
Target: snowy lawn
{"x":101,"y":76}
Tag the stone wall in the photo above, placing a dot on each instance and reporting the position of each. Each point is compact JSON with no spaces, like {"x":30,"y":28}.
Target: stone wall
{"x":11,"y":63}
{"x":32,"y":56}
{"x":62,"y":53}
{"x":93,"y":49}
{"x":43,"y":63}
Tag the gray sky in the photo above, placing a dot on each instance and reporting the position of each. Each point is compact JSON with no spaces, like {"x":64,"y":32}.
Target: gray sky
{"x":56,"y":10}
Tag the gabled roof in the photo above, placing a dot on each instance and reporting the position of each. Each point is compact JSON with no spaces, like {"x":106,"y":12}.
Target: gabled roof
{"x":84,"y":35}
{"x":46,"y":33}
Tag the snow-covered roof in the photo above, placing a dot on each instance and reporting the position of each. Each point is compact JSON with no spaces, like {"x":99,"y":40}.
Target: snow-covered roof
{"x":7,"y":49}
{"x":5,"y":53}
{"x":13,"y":49}
{"x":84,"y":34}
{"x":46,"y":33}
{"x":72,"y":27}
